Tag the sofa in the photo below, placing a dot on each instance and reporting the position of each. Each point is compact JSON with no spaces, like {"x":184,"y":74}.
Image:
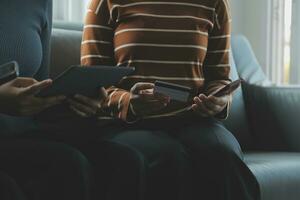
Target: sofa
{"x":263,"y":117}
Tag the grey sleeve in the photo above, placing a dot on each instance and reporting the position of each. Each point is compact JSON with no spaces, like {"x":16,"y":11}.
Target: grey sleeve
{"x":43,"y":72}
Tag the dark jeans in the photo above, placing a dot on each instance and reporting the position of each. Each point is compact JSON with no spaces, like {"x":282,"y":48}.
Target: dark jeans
{"x":43,"y":171}
{"x":176,"y":158}
{"x":182,"y":158}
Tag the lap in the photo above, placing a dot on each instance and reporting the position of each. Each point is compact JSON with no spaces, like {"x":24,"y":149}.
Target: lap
{"x":149,"y":144}
{"x":196,"y":135}
{"x":24,"y":157}
{"x":207,"y":135}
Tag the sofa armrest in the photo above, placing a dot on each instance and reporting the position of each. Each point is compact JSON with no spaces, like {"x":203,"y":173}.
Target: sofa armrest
{"x":274,"y":114}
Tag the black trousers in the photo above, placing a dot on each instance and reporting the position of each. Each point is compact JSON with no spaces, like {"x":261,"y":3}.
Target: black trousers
{"x":42,"y":170}
{"x":170,"y":159}
{"x":182,"y":158}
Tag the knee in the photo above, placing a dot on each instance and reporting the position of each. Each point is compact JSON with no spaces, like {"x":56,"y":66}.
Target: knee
{"x":171,"y":152}
{"x":221,"y":154}
{"x":213,"y":138}
{"x":121,"y":157}
{"x":70,"y":161}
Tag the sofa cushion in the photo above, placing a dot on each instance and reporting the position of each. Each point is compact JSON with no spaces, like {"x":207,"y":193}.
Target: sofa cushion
{"x":73,"y":26}
{"x":278,"y":174}
{"x":274,"y":114}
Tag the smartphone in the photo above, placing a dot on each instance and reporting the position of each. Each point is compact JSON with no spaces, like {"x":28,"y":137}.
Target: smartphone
{"x":8,"y":72}
{"x":228,"y":89}
{"x":174,"y":91}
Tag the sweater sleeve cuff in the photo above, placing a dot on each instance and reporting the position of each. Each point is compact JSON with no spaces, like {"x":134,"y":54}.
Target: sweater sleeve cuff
{"x":223,"y":115}
{"x":124,"y":108}
{"x":213,"y":88}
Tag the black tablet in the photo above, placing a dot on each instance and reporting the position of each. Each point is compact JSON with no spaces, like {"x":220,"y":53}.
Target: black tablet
{"x":85,"y":80}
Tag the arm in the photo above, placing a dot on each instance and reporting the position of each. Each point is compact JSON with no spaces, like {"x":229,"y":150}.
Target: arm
{"x":97,"y":49}
{"x":43,"y":72}
{"x":216,"y":65}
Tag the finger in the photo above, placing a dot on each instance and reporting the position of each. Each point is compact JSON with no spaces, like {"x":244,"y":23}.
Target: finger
{"x":203,"y":97}
{"x":102,"y":93}
{"x":212,"y":106}
{"x":141,"y":86}
{"x":78,"y":112}
{"x":146,"y":97}
{"x":209,"y":103}
{"x":42,"y":104}
{"x":147,"y":91}
{"x":221,"y":101}
{"x":51,"y":101}
{"x":24,"y":82}
{"x":202,"y":107}
{"x":82,"y":108}
{"x":92,"y":103}
{"x":156,"y":95}
{"x":196,"y":109}
{"x":35,"y":88}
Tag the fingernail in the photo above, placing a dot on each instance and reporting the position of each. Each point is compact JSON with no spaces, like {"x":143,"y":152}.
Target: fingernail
{"x":48,"y":81}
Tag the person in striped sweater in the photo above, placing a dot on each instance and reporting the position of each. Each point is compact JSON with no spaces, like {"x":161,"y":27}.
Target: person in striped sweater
{"x":186,"y":42}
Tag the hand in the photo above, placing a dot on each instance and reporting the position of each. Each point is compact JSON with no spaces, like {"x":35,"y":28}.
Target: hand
{"x":144,"y":101}
{"x":209,"y":106}
{"x":17,"y":97}
{"x":85,"y":106}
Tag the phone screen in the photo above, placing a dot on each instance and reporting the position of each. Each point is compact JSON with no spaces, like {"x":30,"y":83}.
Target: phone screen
{"x":8,"y":72}
{"x":228,"y":89}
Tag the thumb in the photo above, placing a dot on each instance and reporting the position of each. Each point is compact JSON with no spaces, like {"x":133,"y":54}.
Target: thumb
{"x":141,"y":86}
{"x":23,"y":82}
{"x":37,"y":87}
{"x":102,"y":93}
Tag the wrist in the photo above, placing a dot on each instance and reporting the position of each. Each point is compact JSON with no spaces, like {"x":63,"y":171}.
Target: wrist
{"x":133,"y":115}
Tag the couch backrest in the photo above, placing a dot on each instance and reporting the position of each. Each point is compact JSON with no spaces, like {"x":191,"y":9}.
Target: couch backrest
{"x":65,"y":50}
{"x":66,"y":40}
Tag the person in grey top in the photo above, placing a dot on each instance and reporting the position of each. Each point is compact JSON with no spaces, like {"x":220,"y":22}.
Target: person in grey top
{"x":32,"y":169}
{"x":25,"y":30}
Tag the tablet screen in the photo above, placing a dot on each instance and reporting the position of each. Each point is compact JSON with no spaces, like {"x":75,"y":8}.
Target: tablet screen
{"x":86,"y":80}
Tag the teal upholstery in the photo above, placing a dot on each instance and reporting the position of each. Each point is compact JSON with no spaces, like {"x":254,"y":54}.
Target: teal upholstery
{"x":263,"y":117}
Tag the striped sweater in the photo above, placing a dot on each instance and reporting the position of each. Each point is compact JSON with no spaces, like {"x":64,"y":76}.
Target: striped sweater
{"x":184,"y":42}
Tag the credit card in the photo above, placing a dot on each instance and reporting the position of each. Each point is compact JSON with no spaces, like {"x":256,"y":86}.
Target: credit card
{"x":174,"y":91}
